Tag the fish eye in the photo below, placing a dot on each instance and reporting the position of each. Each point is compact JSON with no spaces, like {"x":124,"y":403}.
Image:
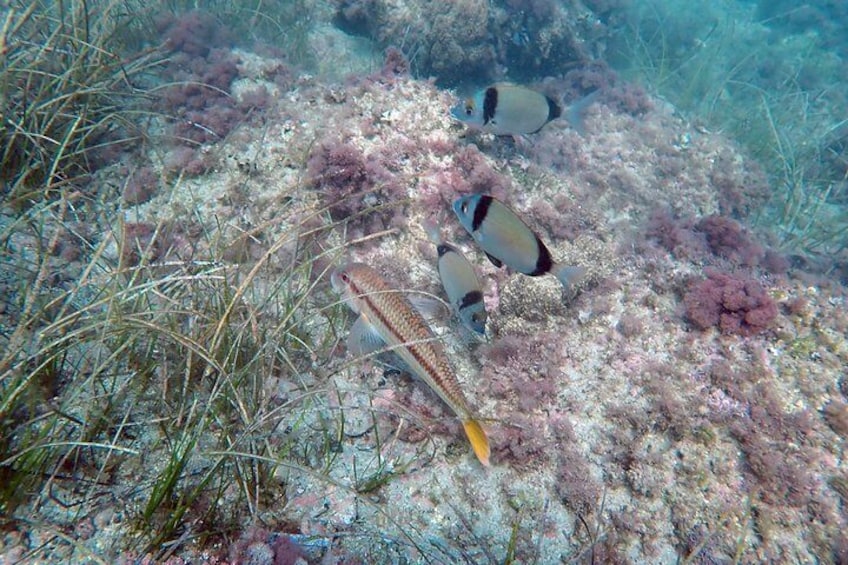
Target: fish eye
{"x":345,"y":277}
{"x":469,"y":108}
{"x":465,"y":207}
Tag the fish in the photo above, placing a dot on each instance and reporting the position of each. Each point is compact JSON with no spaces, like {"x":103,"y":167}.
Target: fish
{"x":386,"y":316}
{"x":507,"y":240}
{"x":507,"y":109}
{"x":460,"y":282}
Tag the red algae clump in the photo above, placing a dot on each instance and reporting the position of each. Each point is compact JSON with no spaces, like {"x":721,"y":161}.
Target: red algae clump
{"x":733,"y":305}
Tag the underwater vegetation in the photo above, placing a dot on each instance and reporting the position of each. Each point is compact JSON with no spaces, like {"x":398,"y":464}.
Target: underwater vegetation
{"x":179,"y":382}
{"x":758,"y":73}
{"x":65,"y":98}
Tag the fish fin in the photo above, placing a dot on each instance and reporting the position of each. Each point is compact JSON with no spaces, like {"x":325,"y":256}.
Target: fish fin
{"x":569,"y":275}
{"x":363,"y":338}
{"x":431,"y":308}
{"x":478,"y":439}
{"x":576,"y":111}
{"x":495,"y":261}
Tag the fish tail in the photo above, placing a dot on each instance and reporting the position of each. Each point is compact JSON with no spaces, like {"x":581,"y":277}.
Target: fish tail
{"x":576,"y":110}
{"x":478,"y":439}
{"x":569,"y":275}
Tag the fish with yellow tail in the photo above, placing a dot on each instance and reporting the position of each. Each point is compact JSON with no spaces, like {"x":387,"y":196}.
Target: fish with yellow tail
{"x":507,"y":240}
{"x":387,"y":317}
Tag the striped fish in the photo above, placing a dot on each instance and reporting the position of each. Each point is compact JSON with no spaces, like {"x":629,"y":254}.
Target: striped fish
{"x":387,"y":317}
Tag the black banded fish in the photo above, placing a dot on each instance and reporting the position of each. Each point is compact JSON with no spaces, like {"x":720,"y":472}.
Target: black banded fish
{"x":507,"y":240}
{"x":507,"y":109}
{"x":460,"y":282}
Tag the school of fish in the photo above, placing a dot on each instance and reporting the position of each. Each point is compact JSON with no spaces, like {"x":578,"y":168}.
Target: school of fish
{"x":387,"y":318}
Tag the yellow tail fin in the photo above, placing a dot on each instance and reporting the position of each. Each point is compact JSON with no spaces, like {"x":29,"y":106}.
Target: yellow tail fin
{"x":478,"y":439}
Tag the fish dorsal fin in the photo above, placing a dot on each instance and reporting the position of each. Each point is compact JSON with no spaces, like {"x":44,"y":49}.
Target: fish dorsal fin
{"x":495,"y":261}
{"x":363,"y":338}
